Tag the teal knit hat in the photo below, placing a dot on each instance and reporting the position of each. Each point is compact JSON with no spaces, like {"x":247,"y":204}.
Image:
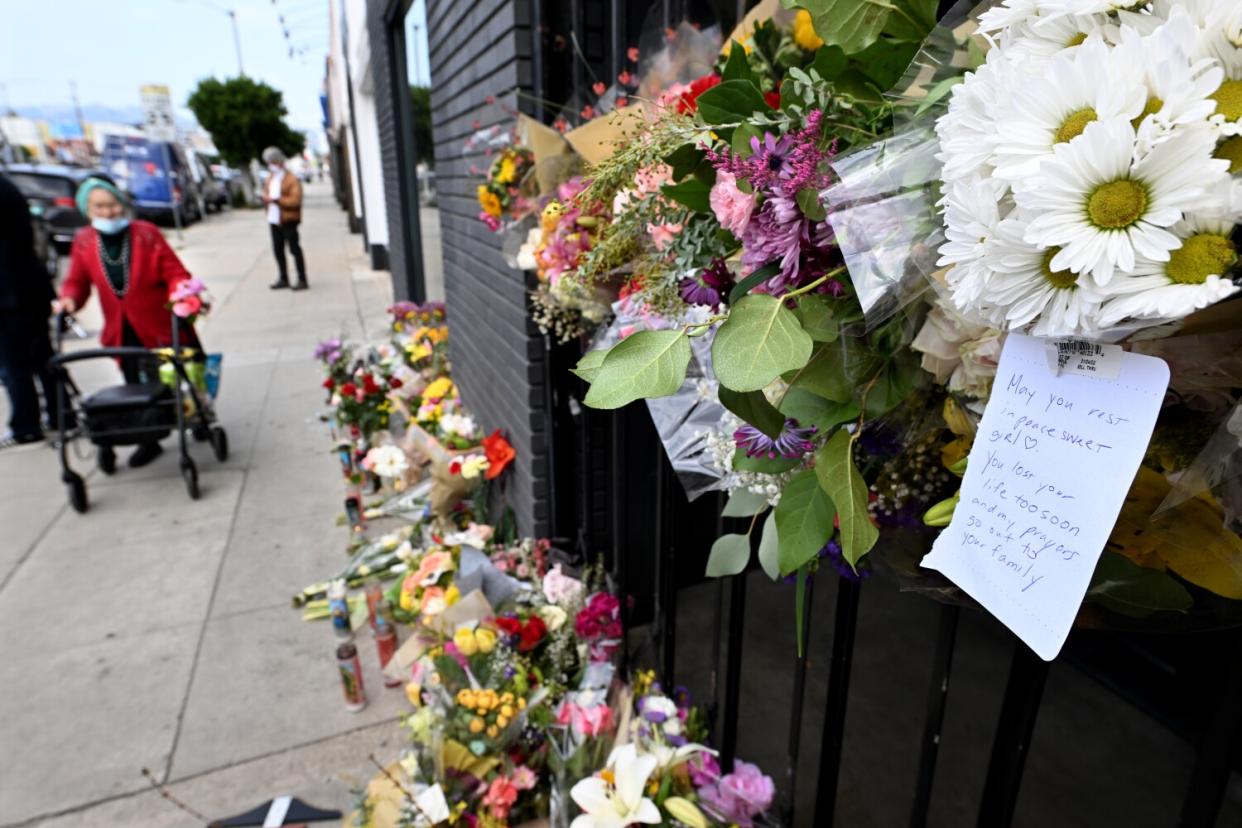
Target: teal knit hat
{"x":89,"y":184}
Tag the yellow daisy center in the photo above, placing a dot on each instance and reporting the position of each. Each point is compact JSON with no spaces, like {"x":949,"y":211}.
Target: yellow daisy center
{"x":1229,"y":100}
{"x":1152,"y":106}
{"x":1117,"y":204}
{"x":1059,"y":279}
{"x":1200,"y":256}
{"x":1231,"y":150}
{"x":1073,"y":125}
{"x":1076,"y":40}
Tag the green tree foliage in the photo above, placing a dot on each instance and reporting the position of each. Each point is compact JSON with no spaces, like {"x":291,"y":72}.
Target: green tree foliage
{"x":420,"y":106}
{"x":244,"y":116}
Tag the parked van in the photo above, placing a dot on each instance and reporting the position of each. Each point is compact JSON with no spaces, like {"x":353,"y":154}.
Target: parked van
{"x":157,"y":177}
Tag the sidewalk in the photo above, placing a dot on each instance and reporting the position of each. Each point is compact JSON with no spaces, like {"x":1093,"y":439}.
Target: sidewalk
{"x":155,"y":631}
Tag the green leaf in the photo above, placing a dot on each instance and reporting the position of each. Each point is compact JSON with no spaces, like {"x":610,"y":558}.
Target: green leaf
{"x":938,"y":93}
{"x":737,"y":67}
{"x":811,"y":409}
{"x":808,"y":200}
{"x":761,"y":275}
{"x":684,"y":159}
{"x":836,"y":370}
{"x":829,"y":61}
{"x":644,"y":364}
{"x":765,"y":465}
{"x":741,"y":139}
{"x":803,"y":519}
{"x":744,"y":503}
{"x":839,"y":478}
{"x":913,"y":26}
{"x":754,"y":408}
{"x":851,"y":24}
{"x":730,"y":554}
{"x":589,"y":365}
{"x":896,"y":382}
{"x":759,"y":341}
{"x":814,"y":313}
{"x":769,"y":548}
{"x":731,"y":101}
{"x":1129,"y":589}
{"x":692,"y":192}
{"x":885,"y":61}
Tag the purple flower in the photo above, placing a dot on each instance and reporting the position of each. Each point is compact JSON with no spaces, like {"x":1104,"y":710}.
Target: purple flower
{"x":739,"y":796}
{"x":704,"y":770}
{"x":329,"y":351}
{"x":772,"y":154}
{"x":793,"y":443}
{"x":709,"y":286}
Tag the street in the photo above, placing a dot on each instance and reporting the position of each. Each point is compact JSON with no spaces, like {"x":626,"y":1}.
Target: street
{"x":155,"y":631}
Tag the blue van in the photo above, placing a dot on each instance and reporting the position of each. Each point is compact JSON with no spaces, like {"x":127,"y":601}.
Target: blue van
{"x":156,"y":176}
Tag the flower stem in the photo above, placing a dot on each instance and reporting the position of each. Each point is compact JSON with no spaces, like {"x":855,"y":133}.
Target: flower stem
{"x":810,"y":287}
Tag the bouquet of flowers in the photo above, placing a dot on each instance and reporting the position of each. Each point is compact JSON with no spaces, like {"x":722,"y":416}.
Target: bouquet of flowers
{"x":500,"y":194}
{"x":189,"y":300}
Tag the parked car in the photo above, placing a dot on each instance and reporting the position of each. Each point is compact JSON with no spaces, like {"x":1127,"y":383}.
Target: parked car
{"x":157,"y":176}
{"x":50,"y":190}
{"x":214,"y":193}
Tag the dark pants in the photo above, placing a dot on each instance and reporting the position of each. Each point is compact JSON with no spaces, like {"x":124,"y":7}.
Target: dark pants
{"x":24,"y":351}
{"x":283,"y":234}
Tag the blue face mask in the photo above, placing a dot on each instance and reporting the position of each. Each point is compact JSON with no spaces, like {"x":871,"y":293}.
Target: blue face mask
{"x":109,"y":226}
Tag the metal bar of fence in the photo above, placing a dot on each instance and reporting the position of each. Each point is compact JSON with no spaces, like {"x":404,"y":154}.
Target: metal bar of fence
{"x":843,"y":634}
{"x":666,"y":571}
{"x":1214,"y":758}
{"x":937,"y":698}
{"x":717,"y":624}
{"x":1024,"y":691}
{"x":733,"y":672}
{"x":620,"y":560}
{"x":795,"y":703}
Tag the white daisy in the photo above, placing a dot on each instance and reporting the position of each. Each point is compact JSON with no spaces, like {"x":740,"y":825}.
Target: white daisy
{"x":1194,"y":277}
{"x":1054,"y":9}
{"x":1104,"y":209}
{"x":972,"y":215}
{"x":1009,"y":14}
{"x":1054,"y":106}
{"x":968,"y":133}
{"x":1025,"y":289}
{"x":1040,"y":40}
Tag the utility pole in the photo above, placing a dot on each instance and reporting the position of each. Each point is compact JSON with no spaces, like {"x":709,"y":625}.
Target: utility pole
{"x":77,"y":108}
{"x":236,"y":41}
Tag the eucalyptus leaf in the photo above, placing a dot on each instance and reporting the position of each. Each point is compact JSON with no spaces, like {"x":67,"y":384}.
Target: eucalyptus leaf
{"x":1124,"y":587}
{"x":692,"y":193}
{"x":754,"y":408}
{"x":836,"y":369}
{"x":731,"y":101}
{"x":918,"y":19}
{"x":814,"y":312}
{"x":759,"y":341}
{"x":840,"y":479}
{"x":851,"y":24}
{"x":589,"y":365}
{"x":804,"y":518}
{"x":645,"y":364}
{"x":811,"y":409}
{"x":729,"y":556}
{"x":744,"y":503}
{"x":759,"y":276}
{"x":769,"y":548}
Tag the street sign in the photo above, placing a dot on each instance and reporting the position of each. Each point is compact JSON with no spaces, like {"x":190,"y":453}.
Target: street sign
{"x":157,"y":113}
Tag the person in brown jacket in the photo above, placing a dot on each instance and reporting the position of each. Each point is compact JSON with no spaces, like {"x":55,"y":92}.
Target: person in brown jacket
{"x":283,"y":197}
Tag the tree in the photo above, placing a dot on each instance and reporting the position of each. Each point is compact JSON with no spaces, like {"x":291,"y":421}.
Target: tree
{"x":244,"y":117}
{"x":420,"y":108}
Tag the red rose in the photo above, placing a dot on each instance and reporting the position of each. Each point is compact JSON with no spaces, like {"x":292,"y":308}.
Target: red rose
{"x":349,"y":389}
{"x":773,"y":99}
{"x":329,"y":383}
{"x":510,"y":626}
{"x":369,"y":386}
{"x":499,"y":454}
{"x":395,"y":383}
{"x":689,"y":100}
{"x":532,"y":633}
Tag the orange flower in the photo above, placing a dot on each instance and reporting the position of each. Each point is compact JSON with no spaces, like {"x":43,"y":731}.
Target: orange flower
{"x":499,"y":454}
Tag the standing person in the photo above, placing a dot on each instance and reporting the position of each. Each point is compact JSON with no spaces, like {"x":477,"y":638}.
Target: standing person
{"x":283,"y":197}
{"x":25,"y":305}
{"x":134,"y":270}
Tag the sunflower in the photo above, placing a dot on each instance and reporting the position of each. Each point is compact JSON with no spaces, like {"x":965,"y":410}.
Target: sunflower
{"x":489,"y":201}
{"x":507,"y":171}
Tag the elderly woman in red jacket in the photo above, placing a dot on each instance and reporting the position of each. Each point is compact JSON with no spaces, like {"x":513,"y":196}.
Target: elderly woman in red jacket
{"x":134,"y":271}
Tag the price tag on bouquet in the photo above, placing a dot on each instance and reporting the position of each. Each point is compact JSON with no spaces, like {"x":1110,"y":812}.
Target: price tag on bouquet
{"x":1054,"y":457}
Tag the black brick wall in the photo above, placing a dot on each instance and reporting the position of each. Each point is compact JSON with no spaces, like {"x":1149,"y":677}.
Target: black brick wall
{"x":479,"y":50}
{"x":394,"y":258}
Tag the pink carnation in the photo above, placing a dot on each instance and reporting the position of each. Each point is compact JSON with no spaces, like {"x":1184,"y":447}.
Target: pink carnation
{"x":731,"y":206}
{"x":187,"y":307}
{"x":740,"y":796}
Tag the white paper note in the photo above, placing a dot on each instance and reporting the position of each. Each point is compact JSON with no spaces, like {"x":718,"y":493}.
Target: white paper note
{"x":1049,"y":470}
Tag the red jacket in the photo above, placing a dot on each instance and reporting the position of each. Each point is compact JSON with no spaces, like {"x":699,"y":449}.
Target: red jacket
{"x":154,"y":270}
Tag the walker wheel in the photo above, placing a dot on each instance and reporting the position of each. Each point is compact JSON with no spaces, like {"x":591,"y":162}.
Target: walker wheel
{"x":220,"y":443}
{"x":105,"y":458}
{"x":77,"y":492}
{"x":189,"y":472}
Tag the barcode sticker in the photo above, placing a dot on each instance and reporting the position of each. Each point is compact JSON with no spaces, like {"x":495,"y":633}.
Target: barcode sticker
{"x":1078,"y":356}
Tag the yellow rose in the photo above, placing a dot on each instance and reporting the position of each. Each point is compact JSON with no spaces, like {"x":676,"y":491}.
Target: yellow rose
{"x":464,"y":639}
{"x":553,"y":616}
{"x":476,"y":725}
{"x":804,"y":32}
{"x":485,"y":639}
{"x":414,"y":693}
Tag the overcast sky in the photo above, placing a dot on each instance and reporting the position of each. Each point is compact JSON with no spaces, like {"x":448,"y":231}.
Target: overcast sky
{"x":111,"y":48}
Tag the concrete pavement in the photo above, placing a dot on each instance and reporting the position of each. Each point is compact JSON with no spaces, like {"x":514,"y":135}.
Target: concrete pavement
{"x":155,"y":631}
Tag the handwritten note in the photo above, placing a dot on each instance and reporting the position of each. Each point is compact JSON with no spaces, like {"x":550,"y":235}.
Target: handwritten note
{"x":1050,"y":468}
